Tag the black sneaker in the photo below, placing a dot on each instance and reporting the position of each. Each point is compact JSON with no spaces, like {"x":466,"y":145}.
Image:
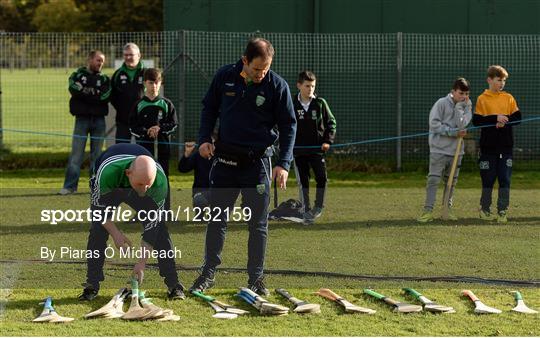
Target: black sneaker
{"x":202,"y":283}
{"x":307,"y":218}
{"x":89,"y":292}
{"x":316,"y":212}
{"x":176,"y":293}
{"x":258,"y":287}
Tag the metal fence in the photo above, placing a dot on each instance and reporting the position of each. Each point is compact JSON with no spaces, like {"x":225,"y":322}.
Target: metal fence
{"x":380,"y":86}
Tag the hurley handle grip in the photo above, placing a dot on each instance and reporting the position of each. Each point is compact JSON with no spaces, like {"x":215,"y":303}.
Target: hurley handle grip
{"x":517,"y":295}
{"x":134,"y":286}
{"x":48,"y":303}
{"x":328,"y":294}
{"x":284,"y":293}
{"x":470,"y":294}
{"x":374,"y":294}
{"x":253,"y":295}
{"x":412,"y":292}
{"x":287,"y":295}
{"x":202,"y":295}
{"x":245,"y":298}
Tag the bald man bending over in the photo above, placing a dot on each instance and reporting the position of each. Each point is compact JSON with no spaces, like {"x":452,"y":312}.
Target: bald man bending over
{"x":127,"y":173}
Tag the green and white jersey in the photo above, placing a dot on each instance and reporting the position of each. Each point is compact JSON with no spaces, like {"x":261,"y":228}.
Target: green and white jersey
{"x":110,"y":187}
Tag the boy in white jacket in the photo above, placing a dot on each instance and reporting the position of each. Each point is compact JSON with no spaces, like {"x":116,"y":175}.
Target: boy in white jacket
{"x":448,"y":119}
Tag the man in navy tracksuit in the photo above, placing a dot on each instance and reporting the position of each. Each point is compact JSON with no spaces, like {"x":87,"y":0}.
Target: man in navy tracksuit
{"x":249,"y":100}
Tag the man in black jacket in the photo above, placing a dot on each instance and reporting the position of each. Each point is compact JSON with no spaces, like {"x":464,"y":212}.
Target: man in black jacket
{"x":249,"y":99}
{"x":127,"y":88}
{"x":90,"y":91}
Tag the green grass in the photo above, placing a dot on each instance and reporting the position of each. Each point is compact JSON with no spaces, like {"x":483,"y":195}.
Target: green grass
{"x":368,"y":228}
{"x":38,"y":101}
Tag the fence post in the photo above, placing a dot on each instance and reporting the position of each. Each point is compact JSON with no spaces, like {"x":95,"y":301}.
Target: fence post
{"x":399,"y":59}
{"x":182,"y":92}
{"x":1,"y":125}
{"x":67,"y":55}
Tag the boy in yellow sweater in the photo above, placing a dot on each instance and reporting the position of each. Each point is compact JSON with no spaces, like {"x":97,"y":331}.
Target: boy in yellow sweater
{"x":496,"y":112}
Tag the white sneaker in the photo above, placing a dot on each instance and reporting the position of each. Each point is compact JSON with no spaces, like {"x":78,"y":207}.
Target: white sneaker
{"x":65,"y":191}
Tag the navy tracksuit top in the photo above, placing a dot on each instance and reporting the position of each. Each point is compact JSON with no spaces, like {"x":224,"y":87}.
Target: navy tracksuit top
{"x":248,"y":113}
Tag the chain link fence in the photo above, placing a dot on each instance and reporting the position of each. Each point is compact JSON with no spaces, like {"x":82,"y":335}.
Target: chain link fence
{"x":379,"y":86}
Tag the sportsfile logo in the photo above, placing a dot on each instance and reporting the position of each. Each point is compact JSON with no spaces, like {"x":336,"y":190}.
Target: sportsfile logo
{"x":120,"y":214}
{"x":114,"y":214}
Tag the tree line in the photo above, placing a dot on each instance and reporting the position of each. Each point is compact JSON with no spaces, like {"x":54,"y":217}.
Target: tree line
{"x":81,"y":15}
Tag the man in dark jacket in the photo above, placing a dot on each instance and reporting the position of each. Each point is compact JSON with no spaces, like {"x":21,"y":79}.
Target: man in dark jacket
{"x":249,"y":99}
{"x":90,"y":91}
{"x":127,"y":88}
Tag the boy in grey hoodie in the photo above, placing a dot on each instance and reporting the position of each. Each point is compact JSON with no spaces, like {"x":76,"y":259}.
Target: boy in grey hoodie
{"x":448,"y":119}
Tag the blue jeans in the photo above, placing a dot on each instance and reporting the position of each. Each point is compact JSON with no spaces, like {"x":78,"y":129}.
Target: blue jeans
{"x":495,"y":167}
{"x":84,"y":125}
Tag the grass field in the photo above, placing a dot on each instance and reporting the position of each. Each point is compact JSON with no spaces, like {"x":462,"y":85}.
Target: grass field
{"x":368,"y":229}
{"x":35,"y":100}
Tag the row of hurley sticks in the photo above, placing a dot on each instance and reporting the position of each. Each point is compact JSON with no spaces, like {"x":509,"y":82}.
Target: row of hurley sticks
{"x":142,"y":308}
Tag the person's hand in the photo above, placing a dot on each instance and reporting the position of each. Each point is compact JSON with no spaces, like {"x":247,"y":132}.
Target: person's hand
{"x":325,"y":147}
{"x":502,"y":119}
{"x":121,"y":241}
{"x":153,"y":131}
{"x":88,"y":91}
{"x":207,"y":150}
{"x":461,"y":133}
{"x":138,"y":271}
{"x":188,"y":148}
{"x":280,"y":175}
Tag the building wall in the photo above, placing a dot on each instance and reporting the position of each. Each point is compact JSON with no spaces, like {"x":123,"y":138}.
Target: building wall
{"x":355,"y":16}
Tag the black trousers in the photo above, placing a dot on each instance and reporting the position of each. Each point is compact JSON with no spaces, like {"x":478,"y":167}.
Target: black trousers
{"x":123,"y":135}
{"x":303,"y":165}
{"x":227,"y":182}
{"x":98,"y":236}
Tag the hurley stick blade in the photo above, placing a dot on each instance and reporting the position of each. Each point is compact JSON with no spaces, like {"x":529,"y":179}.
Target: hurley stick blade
{"x":398,"y":306}
{"x":520,"y":306}
{"x":428,"y":304}
{"x":347,"y":306}
{"x":300,"y":306}
{"x":224,"y":306}
{"x":169,"y":318}
{"x":135,"y":311}
{"x":480,"y":307}
{"x":229,"y":308}
{"x":60,"y":319}
{"x":221,"y":313}
{"x":264,"y":306}
{"x":111,"y":307}
{"x":49,"y":315}
{"x":154,"y":311}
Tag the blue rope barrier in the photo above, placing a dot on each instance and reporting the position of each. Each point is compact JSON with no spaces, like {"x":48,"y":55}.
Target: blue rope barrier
{"x":339,"y":145}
